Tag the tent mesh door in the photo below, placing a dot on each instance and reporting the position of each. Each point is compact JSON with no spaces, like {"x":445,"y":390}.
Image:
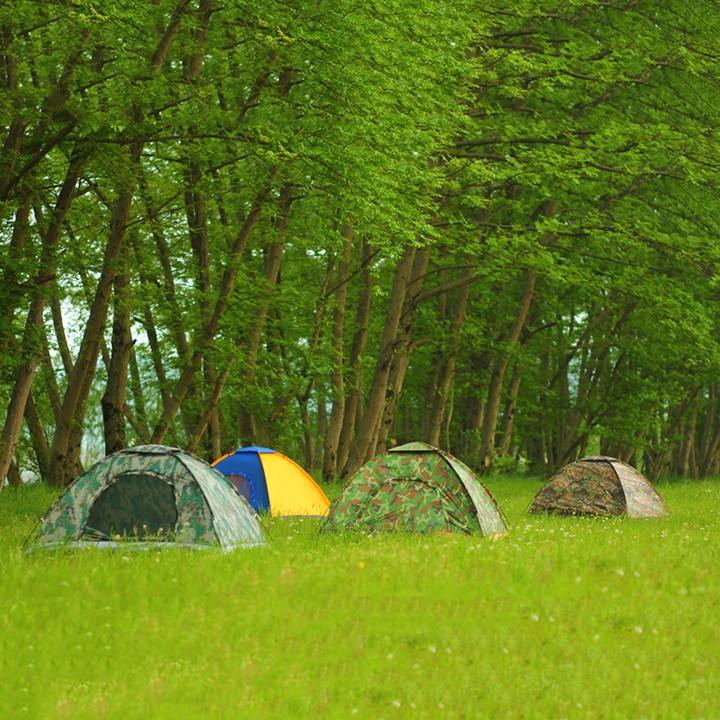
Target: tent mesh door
{"x":137,"y":505}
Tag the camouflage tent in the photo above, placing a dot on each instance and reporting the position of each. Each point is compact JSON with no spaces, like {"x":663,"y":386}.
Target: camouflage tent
{"x":599,"y":485}
{"x":416,"y":488}
{"x":151,"y":495}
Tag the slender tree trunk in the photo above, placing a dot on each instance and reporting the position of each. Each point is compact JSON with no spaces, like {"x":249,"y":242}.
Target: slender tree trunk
{"x":139,"y":421}
{"x":712,"y":424}
{"x":30,"y":350}
{"x":337,"y":380}
{"x":156,"y":355}
{"x":508,"y":424}
{"x":403,"y":348}
{"x":208,"y":332}
{"x":688,"y":443}
{"x":492,"y":407}
{"x":14,"y":477}
{"x":211,"y":411}
{"x":447,"y":362}
{"x":355,"y":362}
{"x":273,"y":260}
{"x":10,"y":292}
{"x":65,"y":456}
{"x":303,"y":398}
{"x":38,"y":437}
{"x":114,"y":399}
{"x":367,"y":433}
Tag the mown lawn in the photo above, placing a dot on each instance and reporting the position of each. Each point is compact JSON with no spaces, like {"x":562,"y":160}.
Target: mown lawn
{"x":563,"y":618}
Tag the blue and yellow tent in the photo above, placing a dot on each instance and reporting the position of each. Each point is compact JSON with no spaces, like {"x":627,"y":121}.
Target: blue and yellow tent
{"x":272,"y":482}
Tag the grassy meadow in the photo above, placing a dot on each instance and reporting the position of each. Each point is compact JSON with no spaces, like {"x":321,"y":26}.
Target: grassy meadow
{"x":563,"y":618}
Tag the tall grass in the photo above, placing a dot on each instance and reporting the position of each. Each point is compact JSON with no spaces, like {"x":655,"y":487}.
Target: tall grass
{"x":563,"y":618}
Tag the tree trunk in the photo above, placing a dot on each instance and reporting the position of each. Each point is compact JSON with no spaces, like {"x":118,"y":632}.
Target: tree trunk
{"x":492,"y":407}
{"x":688,"y":443}
{"x":114,"y":398}
{"x":38,"y":437}
{"x":139,"y":421}
{"x":65,"y":455}
{"x":303,"y":398}
{"x":712,"y":433}
{"x":273,"y":260}
{"x":353,"y":404}
{"x":29,"y":349}
{"x":337,"y":380}
{"x":446,"y":363}
{"x":207,"y":333}
{"x":403,"y":348}
{"x":10,"y":292}
{"x":509,"y":415}
{"x":210,"y":412}
{"x":367,"y":433}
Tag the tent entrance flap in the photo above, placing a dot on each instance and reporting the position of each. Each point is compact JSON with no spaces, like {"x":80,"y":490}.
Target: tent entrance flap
{"x":137,"y":504}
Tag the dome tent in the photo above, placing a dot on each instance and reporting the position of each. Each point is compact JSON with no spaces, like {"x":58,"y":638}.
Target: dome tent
{"x":150,"y":495}
{"x":599,"y":485}
{"x":418,"y":488}
{"x":272,"y":482}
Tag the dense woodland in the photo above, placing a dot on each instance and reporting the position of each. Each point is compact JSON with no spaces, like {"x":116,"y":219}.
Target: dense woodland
{"x":329,"y":227}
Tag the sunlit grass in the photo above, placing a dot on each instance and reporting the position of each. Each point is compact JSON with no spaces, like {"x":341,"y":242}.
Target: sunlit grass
{"x":562,"y":618}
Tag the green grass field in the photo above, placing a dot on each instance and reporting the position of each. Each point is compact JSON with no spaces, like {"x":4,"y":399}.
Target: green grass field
{"x":563,"y":618}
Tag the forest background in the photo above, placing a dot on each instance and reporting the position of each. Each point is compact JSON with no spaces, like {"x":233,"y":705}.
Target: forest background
{"x":328,"y":227}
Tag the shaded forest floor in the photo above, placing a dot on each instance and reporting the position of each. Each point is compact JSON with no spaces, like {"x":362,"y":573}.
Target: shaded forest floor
{"x":563,"y":618}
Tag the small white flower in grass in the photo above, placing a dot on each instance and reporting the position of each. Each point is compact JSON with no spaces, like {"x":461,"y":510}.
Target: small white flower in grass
{"x":432,"y":649}
{"x":390,"y":656}
{"x":441,"y":705}
{"x":535,"y":617}
{"x":638,"y":629}
{"x":448,"y":651}
{"x":620,"y":572}
{"x":354,"y":711}
{"x":397,"y":703}
{"x":505,"y":651}
{"x":578,"y":579}
{"x":636,"y":666}
{"x":596,"y":637}
{"x":551,"y":618}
